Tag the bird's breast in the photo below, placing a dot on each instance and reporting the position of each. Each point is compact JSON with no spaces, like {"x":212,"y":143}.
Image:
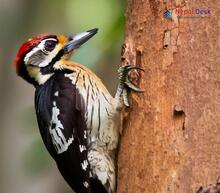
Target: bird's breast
{"x":100,"y":112}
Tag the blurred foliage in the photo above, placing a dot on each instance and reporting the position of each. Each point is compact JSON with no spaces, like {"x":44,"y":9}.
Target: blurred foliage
{"x":36,"y":158}
{"x":27,"y":121}
{"x":108,"y":17}
{"x":21,"y":20}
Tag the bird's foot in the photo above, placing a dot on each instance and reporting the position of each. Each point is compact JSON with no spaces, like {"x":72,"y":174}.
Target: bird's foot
{"x":125,"y":85}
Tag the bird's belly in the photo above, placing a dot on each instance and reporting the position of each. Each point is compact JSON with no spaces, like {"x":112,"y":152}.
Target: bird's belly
{"x":103,"y":122}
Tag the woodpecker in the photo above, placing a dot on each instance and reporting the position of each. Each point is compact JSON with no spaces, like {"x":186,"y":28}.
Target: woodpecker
{"x":78,"y":119}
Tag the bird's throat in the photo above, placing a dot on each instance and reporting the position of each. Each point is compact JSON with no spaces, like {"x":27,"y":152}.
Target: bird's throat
{"x":36,"y":74}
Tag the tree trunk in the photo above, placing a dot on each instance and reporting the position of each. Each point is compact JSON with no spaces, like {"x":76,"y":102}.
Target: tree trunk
{"x":171,"y":137}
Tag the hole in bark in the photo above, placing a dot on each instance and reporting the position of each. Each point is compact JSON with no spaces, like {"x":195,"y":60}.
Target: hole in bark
{"x":178,"y":113}
{"x":138,"y":58}
{"x":166,"y":39}
{"x":179,"y":117}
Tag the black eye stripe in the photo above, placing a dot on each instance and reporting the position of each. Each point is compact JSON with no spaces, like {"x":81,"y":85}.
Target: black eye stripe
{"x":49,"y":68}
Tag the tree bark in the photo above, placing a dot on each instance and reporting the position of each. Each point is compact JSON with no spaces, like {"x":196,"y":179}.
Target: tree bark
{"x":170,"y":141}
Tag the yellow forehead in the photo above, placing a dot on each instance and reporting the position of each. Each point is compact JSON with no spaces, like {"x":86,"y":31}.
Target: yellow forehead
{"x":62,"y":39}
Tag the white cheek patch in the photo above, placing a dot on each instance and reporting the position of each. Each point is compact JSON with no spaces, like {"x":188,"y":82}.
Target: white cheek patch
{"x":48,"y":55}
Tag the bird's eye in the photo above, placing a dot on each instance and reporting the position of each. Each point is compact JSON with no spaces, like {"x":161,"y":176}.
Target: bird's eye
{"x":50,"y":45}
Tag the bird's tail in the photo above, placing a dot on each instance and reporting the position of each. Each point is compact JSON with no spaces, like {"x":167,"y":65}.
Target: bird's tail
{"x":97,"y":186}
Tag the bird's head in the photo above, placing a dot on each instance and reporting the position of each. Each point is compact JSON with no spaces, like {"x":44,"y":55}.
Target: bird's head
{"x":39,"y":57}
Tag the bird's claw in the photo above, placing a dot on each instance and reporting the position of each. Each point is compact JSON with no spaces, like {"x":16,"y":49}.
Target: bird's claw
{"x":124,"y":78}
{"x":125,"y":85}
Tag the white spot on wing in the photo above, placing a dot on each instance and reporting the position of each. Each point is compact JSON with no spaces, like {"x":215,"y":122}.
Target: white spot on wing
{"x":86,"y":184}
{"x":82,"y":148}
{"x":84,"y":165}
{"x":60,"y":142}
{"x":85,"y":134}
{"x":56,"y":93}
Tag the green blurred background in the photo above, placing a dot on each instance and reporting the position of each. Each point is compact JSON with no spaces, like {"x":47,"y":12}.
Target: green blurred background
{"x":25,"y":165}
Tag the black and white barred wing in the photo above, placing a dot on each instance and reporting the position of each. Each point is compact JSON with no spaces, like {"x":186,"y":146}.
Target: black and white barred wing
{"x":68,"y":134}
{"x":61,"y":120}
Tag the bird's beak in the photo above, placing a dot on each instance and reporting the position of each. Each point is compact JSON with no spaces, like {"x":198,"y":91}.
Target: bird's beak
{"x":79,"y":39}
